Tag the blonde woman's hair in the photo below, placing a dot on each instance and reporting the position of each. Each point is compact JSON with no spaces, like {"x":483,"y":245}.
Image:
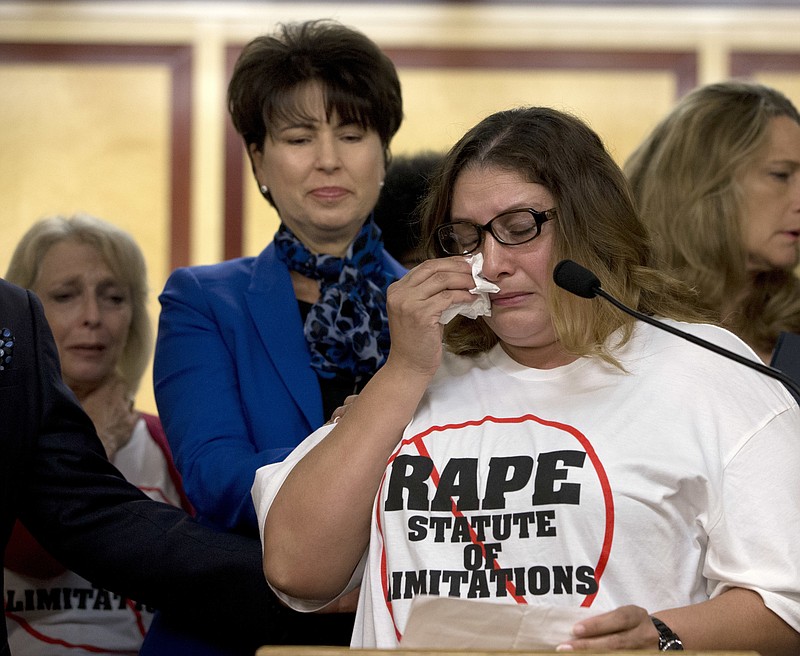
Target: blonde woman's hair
{"x":122,"y":255}
{"x":684,"y":180}
{"x":596,"y":225}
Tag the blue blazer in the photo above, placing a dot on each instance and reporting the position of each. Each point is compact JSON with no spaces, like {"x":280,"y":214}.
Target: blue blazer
{"x":233,"y":379}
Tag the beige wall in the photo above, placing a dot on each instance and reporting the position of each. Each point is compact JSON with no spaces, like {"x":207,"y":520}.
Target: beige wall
{"x":141,"y":140}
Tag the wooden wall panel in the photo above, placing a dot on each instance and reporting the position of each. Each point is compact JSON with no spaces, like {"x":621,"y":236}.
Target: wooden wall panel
{"x":778,"y":69}
{"x":129,"y":94}
{"x":104,"y":130}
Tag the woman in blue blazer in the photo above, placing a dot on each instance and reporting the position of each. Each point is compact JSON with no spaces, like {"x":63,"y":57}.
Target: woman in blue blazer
{"x":254,"y":354}
{"x":233,"y":378}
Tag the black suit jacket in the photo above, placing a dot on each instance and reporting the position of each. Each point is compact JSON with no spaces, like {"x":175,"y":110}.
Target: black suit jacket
{"x":55,"y":477}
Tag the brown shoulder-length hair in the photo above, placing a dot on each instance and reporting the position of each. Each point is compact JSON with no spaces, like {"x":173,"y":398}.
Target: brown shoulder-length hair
{"x":684,"y":179}
{"x":596,"y":226}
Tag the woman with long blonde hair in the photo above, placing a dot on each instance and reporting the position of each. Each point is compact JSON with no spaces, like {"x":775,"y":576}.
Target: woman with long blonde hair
{"x":718,"y":184}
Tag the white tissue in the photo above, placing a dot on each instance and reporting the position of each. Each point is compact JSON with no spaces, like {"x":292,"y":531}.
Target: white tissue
{"x":481,"y":306}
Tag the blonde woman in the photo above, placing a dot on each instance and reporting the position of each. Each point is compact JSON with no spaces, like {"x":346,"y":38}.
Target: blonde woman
{"x":718,"y":183}
{"x":91,"y":279}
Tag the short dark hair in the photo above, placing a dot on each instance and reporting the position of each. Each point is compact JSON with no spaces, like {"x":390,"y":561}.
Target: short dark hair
{"x":359,"y":81}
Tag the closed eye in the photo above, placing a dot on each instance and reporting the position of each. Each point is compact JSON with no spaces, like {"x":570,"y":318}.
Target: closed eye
{"x":297,"y":141}
{"x":783,"y":176}
{"x":62,"y":297}
{"x":352,"y":138}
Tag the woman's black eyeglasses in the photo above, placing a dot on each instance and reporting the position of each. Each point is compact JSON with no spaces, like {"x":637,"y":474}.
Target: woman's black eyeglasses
{"x":514,"y":227}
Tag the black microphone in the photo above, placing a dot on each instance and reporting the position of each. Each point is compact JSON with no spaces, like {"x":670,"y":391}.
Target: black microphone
{"x":578,"y":280}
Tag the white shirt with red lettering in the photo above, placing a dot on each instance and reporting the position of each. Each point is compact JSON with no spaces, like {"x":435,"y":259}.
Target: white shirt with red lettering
{"x":584,"y":486}
{"x":65,"y":614}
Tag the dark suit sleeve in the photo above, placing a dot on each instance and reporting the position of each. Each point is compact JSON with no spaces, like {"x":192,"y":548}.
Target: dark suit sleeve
{"x":84,"y":512}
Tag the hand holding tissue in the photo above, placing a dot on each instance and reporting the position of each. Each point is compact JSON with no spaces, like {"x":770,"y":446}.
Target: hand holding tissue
{"x":481,"y":306}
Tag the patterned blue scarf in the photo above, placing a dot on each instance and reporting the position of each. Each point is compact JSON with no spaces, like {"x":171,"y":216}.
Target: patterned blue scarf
{"x":347,"y":329}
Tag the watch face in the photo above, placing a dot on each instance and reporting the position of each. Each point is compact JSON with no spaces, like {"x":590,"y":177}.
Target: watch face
{"x":670,"y":644}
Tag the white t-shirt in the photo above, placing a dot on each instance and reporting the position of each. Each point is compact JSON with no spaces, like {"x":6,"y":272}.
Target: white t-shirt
{"x":584,"y":486}
{"x":66,"y":614}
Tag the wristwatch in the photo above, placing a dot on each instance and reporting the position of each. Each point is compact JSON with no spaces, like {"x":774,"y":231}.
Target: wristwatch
{"x":668,"y":640}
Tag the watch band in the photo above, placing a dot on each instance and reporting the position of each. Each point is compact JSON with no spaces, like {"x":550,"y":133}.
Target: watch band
{"x":668,"y":640}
